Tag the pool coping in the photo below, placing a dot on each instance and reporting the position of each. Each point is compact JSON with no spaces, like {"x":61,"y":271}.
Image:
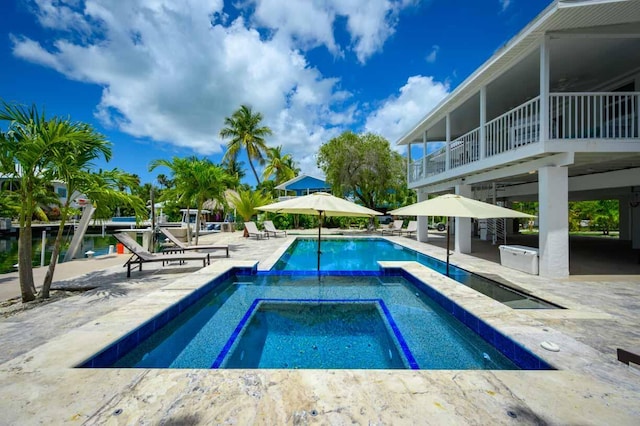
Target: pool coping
{"x":42,"y":385}
{"x":117,"y":326}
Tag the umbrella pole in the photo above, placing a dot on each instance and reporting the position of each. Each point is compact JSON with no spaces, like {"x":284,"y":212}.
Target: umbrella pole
{"x":448,"y":238}
{"x":319,"y":232}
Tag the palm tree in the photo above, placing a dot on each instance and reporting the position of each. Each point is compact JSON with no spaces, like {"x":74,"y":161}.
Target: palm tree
{"x":25,"y":152}
{"x":103,"y":189}
{"x":34,"y":151}
{"x":234,"y":168}
{"x":196,"y":181}
{"x":246,"y":201}
{"x":282,"y":166}
{"x":245,"y":132}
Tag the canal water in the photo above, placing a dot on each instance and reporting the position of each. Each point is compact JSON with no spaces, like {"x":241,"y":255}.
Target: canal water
{"x":9,"y":248}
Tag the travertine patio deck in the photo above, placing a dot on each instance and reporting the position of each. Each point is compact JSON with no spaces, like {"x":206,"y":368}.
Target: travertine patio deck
{"x":37,"y":383}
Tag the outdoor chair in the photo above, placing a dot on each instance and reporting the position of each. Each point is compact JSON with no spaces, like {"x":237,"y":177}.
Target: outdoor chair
{"x":141,"y":255}
{"x":252,"y":230}
{"x":270,"y":228}
{"x":396,"y":226}
{"x":412,"y":228}
{"x":180,"y":247}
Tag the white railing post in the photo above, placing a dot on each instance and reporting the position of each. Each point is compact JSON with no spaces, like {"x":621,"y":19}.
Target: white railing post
{"x":409,"y":163}
{"x":447,"y":157}
{"x":483,"y":122}
{"x":544,"y":89}
{"x":424,"y":154}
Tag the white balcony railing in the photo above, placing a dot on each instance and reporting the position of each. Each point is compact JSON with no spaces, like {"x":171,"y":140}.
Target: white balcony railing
{"x":465,"y":149}
{"x":416,"y":170}
{"x":593,"y":115}
{"x":513,"y":129}
{"x":599,"y":115}
{"x":436,"y":162}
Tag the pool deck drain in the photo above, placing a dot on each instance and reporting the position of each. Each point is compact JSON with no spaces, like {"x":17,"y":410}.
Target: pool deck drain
{"x":40,"y":346}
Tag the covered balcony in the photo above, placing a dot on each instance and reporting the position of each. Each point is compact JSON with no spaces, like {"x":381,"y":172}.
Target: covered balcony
{"x":574,"y":118}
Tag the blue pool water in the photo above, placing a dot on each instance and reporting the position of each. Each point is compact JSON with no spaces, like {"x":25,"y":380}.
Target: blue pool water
{"x":362,"y":254}
{"x":266,"y":321}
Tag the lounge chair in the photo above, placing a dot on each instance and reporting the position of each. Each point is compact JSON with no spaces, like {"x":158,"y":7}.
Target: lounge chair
{"x":412,"y":228}
{"x":181,"y":247}
{"x":141,"y":255}
{"x":270,"y":228}
{"x":252,"y":230}
{"x":396,"y":226}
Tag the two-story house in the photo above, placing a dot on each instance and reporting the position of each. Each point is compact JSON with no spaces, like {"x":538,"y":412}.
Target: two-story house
{"x":553,"y":116}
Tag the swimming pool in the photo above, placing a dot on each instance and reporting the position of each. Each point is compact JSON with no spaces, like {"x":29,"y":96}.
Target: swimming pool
{"x":362,"y":254}
{"x":380,"y":321}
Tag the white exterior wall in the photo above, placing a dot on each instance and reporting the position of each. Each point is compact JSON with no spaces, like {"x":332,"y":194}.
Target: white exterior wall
{"x":553,"y":196}
{"x":463,"y":224}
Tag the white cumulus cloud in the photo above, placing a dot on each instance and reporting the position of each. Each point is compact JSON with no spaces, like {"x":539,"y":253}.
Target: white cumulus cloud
{"x":172,"y":71}
{"x":399,"y":112}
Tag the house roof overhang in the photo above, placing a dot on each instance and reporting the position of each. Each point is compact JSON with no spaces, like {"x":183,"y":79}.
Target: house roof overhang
{"x":559,"y":16}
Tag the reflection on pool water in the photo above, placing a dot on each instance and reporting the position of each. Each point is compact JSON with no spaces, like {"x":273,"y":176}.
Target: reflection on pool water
{"x":362,"y":254}
{"x":266,"y":321}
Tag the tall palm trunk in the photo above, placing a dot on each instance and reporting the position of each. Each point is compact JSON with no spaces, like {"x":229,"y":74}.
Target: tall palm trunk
{"x":254,"y":170}
{"x":48,"y":278}
{"x":25,"y":270}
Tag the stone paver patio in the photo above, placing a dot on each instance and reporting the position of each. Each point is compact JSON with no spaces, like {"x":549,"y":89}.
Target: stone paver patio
{"x":40,"y":347}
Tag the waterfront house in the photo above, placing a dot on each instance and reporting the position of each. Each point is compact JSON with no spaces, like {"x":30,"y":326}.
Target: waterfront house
{"x":553,"y":116}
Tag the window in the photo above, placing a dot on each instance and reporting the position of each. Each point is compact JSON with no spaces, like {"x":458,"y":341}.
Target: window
{"x":62,"y":192}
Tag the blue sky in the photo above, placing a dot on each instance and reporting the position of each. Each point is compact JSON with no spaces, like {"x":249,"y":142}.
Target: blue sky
{"x":158,"y":77}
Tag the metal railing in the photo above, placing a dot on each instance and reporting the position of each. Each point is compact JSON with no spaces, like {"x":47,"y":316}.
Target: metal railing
{"x":465,"y":149}
{"x":611,"y":115}
{"x":593,"y":115}
{"x":515,"y":128}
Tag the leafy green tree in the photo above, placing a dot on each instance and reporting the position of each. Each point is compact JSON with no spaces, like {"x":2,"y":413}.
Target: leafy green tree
{"x":363,"y":166}
{"x":245,"y":131}
{"x":196,"y":181}
{"x":102,"y":188}
{"x":246,"y":202}
{"x":282,"y":166}
{"x":34,"y":151}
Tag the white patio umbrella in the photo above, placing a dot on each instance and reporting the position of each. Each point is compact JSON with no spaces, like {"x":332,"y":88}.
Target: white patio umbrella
{"x":452,"y":205}
{"x":321,"y":204}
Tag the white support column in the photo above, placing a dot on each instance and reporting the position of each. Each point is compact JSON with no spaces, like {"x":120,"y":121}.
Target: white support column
{"x":448,"y":146}
{"x":463,"y":224}
{"x":423,"y":230}
{"x":483,"y":121}
{"x":409,"y":163}
{"x":424,"y":154}
{"x":544,"y":89}
{"x":553,"y":197}
{"x":624,"y":218}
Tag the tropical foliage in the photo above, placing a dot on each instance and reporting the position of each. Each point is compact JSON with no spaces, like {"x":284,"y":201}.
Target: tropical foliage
{"x":35,"y":151}
{"x":246,"y":201}
{"x":245,"y":131}
{"x":195,"y":181}
{"x":279,"y":165}
{"x":365,"y":167}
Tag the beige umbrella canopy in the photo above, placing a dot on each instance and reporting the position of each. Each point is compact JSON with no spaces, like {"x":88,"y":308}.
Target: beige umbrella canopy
{"x":452,"y":205}
{"x":320,"y":204}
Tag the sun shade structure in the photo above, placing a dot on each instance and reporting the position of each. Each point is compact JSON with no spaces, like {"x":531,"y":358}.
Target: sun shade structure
{"x":452,"y":205}
{"x":322,"y":205}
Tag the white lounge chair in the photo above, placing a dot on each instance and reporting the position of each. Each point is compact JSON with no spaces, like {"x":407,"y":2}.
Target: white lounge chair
{"x":270,"y":228}
{"x":252,"y":230}
{"x":181,"y":247}
{"x":396,"y":226}
{"x":412,"y":228}
{"x":141,"y":255}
